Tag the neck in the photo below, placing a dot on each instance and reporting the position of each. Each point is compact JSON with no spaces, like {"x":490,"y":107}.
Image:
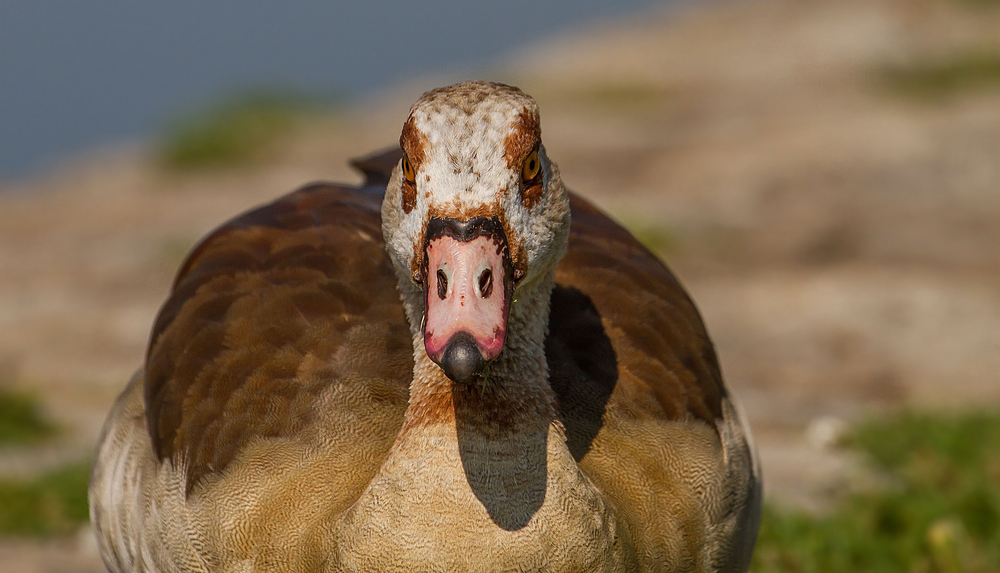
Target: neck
{"x":514,"y":396}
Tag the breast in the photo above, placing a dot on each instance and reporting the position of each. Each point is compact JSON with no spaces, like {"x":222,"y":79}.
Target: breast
{"x":420,"y":513}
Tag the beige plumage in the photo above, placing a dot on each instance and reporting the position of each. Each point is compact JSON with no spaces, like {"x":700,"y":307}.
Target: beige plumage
{"x":290,"y":417}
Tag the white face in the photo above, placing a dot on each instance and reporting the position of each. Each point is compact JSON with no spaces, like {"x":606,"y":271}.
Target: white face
{"x":474,"y":211}
{"x":467,"y":145}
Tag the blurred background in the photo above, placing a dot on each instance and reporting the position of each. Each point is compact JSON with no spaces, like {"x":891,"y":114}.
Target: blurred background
{"x":822,"y":175}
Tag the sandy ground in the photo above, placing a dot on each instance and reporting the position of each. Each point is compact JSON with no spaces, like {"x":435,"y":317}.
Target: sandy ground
{"x":840,"y":238}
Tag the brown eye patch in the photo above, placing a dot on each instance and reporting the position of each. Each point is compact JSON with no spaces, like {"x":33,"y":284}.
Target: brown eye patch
{"x":531,"y":196}
{"x":408,"y":173}
{"x":525,"y":136}
{"x":409,"y":189}
{"x":531,"y":180}
{"x":521,"y":152}
{"x":412,"y":142}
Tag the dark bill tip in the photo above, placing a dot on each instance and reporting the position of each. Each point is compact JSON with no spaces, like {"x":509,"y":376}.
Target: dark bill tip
{"x":461,"y":359}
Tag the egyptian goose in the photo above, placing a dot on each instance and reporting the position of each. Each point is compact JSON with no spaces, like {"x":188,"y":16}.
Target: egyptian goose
{"x":544,"y":398}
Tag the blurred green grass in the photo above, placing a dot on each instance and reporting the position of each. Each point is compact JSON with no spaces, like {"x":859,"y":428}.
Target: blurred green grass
{"x":938,"y":79}
{"x":940,"y":511}
{"x":237,"y":130}
{"x":630,"y":98}
{"x":53,"y":503}
{"x":21,"y":420}
{"x":657,"y":238}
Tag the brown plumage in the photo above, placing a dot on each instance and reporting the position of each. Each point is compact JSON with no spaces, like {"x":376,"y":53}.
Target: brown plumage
{"x":288,"y":420}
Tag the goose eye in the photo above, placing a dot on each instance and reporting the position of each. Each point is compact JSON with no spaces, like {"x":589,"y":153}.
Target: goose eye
{"x":530,"y":167}
{"x":409,"y":187}
{"x":408,"y":173}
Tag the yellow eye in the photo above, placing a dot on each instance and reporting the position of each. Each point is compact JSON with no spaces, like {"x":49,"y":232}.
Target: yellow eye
{"x":530,"y":167}
{"x":408,"y":173}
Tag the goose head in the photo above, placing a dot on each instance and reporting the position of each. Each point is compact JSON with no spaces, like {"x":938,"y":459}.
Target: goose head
{"x":475,"y":217}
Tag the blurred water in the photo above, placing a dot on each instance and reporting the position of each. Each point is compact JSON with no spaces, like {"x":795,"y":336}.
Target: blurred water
{"x":78,"y":74}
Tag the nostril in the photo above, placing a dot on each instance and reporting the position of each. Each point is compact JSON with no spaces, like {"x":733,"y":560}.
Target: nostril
{"x":486,"y":283}
{"x":442,"y":284}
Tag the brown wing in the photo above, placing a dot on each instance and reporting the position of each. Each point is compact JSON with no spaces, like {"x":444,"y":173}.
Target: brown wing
{"x":245,"y":343}
{"x":623,"y":329}
{"x":645,"y":411}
